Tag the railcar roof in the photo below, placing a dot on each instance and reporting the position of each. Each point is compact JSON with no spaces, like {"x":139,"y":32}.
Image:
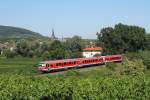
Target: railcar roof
{"x":68,"y":60}
{"x":57,"y":61}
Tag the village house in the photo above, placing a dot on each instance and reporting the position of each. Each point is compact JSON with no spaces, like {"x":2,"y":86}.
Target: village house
{"x":6,"y":45}
{"x":92,"y":51}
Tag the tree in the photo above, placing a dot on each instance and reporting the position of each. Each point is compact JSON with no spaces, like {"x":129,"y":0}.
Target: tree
{"x":9,"y":54}
{"x":30,"y":53}
{"x":22,"y":48}
{"x":122,"y":38}
{"x":74,"y":46}
{"x":58,"y":53}
{"x":45,"y":47}
{"x":147,"y":43}
{"x":46,"y":55}
{"x":57,"y":50}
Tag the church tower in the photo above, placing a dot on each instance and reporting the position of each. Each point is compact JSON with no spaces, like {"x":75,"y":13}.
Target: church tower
{"x":53,"y":35}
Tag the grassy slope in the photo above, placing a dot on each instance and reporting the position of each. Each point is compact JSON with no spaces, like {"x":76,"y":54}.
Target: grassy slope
{"x":15,"y":32}
{"x":18,"y":65}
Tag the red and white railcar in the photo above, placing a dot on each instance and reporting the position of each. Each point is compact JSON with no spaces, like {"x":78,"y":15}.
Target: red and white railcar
{"x":47,"y":66}
{"x":113,"y":58}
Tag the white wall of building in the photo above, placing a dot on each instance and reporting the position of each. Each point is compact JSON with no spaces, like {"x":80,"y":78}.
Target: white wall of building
{"x":90,"y":54}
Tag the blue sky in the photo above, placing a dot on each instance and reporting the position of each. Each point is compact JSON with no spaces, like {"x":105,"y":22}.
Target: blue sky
{"x":73,"y":17}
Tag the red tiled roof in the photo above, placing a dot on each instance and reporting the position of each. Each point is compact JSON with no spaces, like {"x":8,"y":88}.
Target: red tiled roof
{"x":2,"y":46}
{"x":93,"y":49}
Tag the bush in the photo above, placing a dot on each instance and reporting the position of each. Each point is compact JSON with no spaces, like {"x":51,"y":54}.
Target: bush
{"x":133,"y":55}
{"x":133,"y":67}
{"x":145,"y":56}
{"x":111,"y":66}
{"x":10,"y":54}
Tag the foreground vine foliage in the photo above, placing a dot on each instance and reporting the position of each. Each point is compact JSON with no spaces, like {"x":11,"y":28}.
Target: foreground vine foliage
{"x":19,"y":87}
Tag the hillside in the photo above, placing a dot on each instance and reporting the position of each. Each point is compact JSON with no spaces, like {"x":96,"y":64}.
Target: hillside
{"x":15,"y":32}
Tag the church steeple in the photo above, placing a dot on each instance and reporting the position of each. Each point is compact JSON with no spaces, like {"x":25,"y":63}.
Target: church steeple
{"x":53,"y":34}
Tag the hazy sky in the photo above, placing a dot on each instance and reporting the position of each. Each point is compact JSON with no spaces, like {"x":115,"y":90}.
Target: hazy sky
{"x":73,"y":17}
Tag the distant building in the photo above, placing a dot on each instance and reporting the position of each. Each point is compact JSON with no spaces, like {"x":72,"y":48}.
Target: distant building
{"x":2,"y":47}
{"x":92,"y":51}
{"x":5,"y":46}
{"x":53,"y":35}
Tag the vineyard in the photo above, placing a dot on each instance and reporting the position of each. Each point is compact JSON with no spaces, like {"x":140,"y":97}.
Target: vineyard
{"x":77,"y":88}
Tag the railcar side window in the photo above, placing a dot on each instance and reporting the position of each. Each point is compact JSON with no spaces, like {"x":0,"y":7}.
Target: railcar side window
{"x":58,"y":64}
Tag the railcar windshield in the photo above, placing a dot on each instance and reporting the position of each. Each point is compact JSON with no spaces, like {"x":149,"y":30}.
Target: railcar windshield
{"x":41,"y":65}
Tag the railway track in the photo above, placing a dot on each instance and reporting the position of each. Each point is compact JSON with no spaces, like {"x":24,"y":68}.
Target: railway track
{"x":60,"y":72}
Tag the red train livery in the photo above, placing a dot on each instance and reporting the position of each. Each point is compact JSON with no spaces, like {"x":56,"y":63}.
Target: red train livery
{"x":47,"y":66}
